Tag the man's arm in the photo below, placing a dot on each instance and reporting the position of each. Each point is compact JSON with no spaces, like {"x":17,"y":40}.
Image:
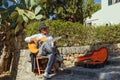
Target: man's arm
{"x":31,"y":39}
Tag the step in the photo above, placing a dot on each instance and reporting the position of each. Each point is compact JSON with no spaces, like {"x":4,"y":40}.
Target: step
{"x":110,"y":71}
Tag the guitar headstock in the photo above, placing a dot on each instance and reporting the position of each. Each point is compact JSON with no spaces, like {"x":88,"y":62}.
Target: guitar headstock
{"x":64,"y":36}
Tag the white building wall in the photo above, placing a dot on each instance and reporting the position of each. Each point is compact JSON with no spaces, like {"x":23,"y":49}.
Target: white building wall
{"x":107,"y":15}
{"x":104,"y":4}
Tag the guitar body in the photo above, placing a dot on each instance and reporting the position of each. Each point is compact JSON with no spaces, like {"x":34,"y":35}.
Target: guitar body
{"x":97,"y":57}
{"x":33,"y":47}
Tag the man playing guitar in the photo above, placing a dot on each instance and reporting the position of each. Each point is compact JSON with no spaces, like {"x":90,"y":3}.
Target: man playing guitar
{"x":47,"y":47}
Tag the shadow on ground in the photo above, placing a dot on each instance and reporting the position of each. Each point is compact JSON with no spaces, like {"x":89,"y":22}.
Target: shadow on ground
{"x":110,"y":71}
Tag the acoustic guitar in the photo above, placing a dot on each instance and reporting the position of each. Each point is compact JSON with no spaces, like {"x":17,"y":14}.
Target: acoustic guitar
{"x":96,"y":57}
{"x":34,"y":48}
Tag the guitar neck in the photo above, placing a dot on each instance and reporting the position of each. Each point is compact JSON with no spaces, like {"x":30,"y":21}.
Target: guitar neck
{"x":57,"y":38}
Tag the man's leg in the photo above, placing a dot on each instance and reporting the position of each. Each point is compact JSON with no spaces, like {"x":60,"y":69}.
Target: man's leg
{"x":51,"y":53}
{"x":50,"y":63}
{"x":45,"y":47}
{"x":33,"y":62}
{"x":48,"y":49}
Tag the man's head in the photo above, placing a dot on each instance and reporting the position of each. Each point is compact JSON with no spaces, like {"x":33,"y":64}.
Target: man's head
{"x":43,"y":29}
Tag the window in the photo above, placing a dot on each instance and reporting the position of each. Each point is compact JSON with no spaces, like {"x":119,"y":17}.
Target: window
{"x":117,"y":1}
{"x":89,"y":24}
{"x":109,"y":2}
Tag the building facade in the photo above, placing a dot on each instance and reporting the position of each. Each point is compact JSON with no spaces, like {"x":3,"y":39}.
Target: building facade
{"x":109,"y":14}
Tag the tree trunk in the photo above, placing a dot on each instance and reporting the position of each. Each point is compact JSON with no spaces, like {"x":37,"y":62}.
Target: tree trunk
{"x":6,"y":49}
{"x":2,"y":57}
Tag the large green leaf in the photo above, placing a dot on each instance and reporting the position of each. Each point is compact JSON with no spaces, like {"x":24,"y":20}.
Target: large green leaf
{"x":27,"y":3}
{"x":25,"y":18}
{"x":32,"y":3}
{"x":29,"y":14}
{"x":20,"y":19}
{"x":14,"y":16}
{"x":20,"y":11}
{"x":38,"y":17}
{"x":37,"y":10}
{"x":18,"y":27}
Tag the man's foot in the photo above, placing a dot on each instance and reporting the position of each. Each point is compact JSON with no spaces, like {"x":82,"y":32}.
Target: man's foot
{"x":60,"y":58}
{"x":46,"y":75}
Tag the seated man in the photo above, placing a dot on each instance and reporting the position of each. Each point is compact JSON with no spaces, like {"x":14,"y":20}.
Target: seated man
{"x":47,"y":48}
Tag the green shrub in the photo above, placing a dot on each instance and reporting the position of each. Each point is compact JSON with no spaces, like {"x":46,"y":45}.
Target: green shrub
{"x":78,"y":34}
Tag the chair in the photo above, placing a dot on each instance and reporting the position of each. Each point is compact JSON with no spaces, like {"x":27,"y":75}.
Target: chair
{"x":42,"y":63}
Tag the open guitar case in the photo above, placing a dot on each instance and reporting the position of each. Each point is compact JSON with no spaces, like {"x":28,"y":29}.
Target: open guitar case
{"x":89,"y":63}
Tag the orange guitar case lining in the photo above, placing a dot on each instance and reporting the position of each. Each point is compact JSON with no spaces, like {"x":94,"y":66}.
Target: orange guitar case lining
{"x":96,"y":59}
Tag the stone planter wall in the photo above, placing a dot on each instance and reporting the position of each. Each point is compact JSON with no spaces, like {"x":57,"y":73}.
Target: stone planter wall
{"x":70,"y":54}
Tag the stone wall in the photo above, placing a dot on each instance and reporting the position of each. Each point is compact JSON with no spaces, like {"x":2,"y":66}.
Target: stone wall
{"x":70,"y":54}
{"x":82,"y":49}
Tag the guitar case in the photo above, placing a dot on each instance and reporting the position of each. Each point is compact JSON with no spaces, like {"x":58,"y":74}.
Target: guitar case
{"x":96,"y":59}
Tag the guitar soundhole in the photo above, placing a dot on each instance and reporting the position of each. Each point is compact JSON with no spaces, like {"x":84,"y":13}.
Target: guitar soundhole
{"x":40,"y":43}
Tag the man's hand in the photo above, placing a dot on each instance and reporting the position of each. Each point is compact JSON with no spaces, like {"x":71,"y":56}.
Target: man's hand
{"x":34,"y":40}
{"x":54,"y":41}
